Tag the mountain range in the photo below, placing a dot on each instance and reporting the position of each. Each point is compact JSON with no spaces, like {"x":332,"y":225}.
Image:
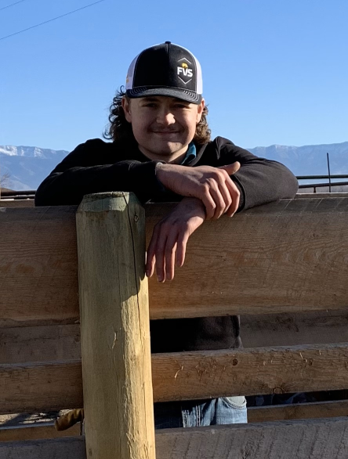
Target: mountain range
{"x":24,"y":168}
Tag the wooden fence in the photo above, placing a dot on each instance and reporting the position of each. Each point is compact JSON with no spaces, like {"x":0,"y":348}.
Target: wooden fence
{"x":282,"y":267}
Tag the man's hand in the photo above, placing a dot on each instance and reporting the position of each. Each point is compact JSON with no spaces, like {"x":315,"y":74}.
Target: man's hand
{"x":212,"y":185}
{"x":167,"y":247}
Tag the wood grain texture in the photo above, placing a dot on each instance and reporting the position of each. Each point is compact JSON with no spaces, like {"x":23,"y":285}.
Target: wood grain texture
{"x":62,"y":448}
{"x":298,"y":411}
{"x":187,"y":376}
{"x":40,"y":387}
{"x":316,"y":327}
{"x":210,"y":374}
{"x":115,"y":332}
{"x":62,"y":342}
{"x":36,"y":432}
{"x":17,"y":203}
{"x":40,"y":344}
{"x":317,"y":439}
{"x":38,"y":265}
{"x":289,"y":258}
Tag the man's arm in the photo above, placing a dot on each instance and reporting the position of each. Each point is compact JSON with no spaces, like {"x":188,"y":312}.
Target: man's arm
{"x":95,"y":167}
{"x":260,"y":180}
{"x":212,"y":185}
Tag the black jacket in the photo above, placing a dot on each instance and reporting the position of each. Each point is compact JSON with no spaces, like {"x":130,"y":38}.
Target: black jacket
{"x":97,"y":166}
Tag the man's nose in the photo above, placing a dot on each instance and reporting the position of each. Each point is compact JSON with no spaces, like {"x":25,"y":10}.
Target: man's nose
{"x":165,"y":116}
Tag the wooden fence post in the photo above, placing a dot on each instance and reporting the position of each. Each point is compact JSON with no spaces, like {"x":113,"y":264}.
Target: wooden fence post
{"x":115,"y":334}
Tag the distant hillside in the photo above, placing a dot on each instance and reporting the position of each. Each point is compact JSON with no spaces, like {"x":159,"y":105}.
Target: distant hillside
{"x":28,"y":166}
{"x":309,"y":159}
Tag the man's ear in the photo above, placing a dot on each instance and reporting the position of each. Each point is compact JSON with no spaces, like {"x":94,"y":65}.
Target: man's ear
{"x":126,"y":109}
{"x":200,"y":111}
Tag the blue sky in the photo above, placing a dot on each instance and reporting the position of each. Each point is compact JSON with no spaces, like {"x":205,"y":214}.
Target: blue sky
{"x":275,"y":71}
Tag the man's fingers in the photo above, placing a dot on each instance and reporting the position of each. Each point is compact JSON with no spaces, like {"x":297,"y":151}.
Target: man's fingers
{"x":231,"y":168}
{"x":170,"y":255}
{"x":150,"y":264}
{"x":160,"y":255}
{"x":161,"y":252}
{"x":209,"y":205}
{"x":219,"y":195}
{"x":167,"y":246}
{"x":151,"y":253}
{"x":235,"y":195}
{"x":181,"y":249}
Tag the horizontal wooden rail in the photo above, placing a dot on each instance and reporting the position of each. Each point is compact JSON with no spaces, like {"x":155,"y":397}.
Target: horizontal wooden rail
{"x":17,"y":203}
{"x":38,"y":257}
{"x":180,"y":376}
{"x":289,"y":258}
{"x":317,"y":439}
{"x":315,"y":327}
{"x":37,"y":432}
{"x":298,"y":411}
{"x":40,"y":344}
{"x":67,"y":448}
{"x":62,"y":342}
{"x":255,"y":414}
{"x":210,"y":374}
{"x":40,"y":387}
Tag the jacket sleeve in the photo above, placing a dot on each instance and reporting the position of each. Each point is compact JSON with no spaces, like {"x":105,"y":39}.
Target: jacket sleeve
{"x":90,"y":169}
{"x":260,"y":180}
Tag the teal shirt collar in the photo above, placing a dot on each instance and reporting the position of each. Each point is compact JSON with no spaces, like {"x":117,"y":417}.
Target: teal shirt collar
{"x":190,"y":154}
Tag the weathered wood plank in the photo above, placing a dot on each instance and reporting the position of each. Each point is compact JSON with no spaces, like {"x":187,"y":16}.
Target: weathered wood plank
{"x":298,"y":411}
{"x":317,"y":327}
{"x":36,"y":432}
{"x":317,"y":439}
{"x":17,"y":203}
{"x":40,"y":344}
{"x":289,"y":258}
{"x":204,"y":374}
{"x":40,"y":387}
{"x":62,"y":342}
{"x":67,"y":448}
{"x":38,"y":258}
{"x":201,"y":374}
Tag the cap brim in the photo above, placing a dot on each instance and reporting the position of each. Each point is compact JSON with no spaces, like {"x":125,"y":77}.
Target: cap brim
{"x":182,"y":94}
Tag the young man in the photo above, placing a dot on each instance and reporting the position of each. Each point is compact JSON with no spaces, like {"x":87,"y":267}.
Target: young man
{"x":161,"y":150}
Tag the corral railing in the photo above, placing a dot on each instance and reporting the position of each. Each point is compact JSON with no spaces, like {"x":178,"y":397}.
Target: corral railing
{"x":282,"y":266}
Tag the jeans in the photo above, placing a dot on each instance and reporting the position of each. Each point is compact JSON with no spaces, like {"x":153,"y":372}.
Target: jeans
{"x":223,"y":410}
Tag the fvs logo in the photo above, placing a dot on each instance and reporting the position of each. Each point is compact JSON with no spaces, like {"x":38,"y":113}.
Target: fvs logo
{"x":183,"y":71}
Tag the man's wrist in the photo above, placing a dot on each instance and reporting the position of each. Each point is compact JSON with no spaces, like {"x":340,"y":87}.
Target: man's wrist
{"x":158,"y":168}
{"x":193,"y":202}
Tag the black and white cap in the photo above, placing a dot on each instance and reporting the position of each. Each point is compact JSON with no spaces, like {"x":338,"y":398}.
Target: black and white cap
{"x":165,"y":70}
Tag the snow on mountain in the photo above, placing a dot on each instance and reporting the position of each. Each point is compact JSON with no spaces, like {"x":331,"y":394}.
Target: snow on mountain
{"x":28,"y":166}
{"x":30,"y":152}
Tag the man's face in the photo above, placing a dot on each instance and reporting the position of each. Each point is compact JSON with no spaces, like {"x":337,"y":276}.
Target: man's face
{"x":162,"y":126}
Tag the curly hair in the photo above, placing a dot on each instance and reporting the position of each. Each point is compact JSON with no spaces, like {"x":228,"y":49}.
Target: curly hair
{"x":121,"y":129}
